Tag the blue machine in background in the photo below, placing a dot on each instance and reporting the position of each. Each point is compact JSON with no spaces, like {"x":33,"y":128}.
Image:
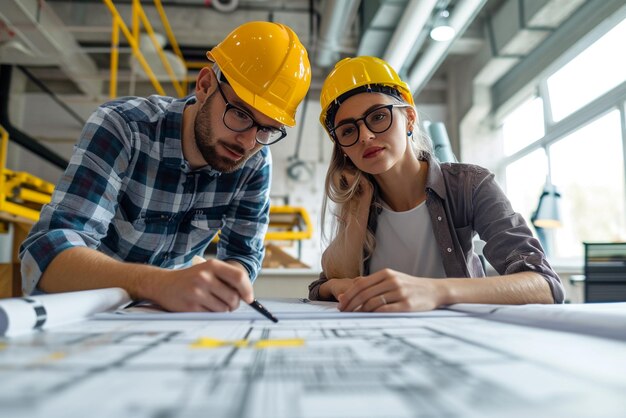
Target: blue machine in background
{"x":441,"y":142}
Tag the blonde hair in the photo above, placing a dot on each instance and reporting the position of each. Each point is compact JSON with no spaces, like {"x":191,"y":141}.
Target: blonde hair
{"x":345,"y":185}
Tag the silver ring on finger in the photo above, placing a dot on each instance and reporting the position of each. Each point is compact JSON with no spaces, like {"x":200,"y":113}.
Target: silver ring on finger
{"x":382,"y":298}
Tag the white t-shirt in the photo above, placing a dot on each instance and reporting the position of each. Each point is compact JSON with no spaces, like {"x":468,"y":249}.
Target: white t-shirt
{"x":405,"y":242}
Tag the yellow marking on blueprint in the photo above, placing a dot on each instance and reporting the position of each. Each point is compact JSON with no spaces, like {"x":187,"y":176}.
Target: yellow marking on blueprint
{"x":54,"y":356}
{"x":57,"y":355}
{"x":292,"y":342}
{"x":240,"y":343}
{"x":206,"y":342}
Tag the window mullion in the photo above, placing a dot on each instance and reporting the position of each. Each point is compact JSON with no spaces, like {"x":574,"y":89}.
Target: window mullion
{"x":544,"y":93}
{"x":622,"y":112}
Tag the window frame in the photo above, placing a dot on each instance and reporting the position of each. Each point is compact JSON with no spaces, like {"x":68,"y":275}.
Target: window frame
{"x":611,"y":100}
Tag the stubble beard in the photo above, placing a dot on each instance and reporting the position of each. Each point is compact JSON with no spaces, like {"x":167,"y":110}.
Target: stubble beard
{"x":207,"y":143}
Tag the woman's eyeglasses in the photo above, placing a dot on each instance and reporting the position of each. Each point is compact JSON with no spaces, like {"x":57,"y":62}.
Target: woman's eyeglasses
{"x":377,"y":120}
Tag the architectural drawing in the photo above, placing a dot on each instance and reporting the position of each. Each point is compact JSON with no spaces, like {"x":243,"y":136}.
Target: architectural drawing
{"x":399,"y":367}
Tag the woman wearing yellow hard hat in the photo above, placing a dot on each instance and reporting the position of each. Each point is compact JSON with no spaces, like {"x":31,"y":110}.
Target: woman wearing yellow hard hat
{"x":403,"y":222}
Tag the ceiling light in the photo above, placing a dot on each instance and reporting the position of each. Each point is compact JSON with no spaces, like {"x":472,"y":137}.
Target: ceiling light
{"x":442,"y":31}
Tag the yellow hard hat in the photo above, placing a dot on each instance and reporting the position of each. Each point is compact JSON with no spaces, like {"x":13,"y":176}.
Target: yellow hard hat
{"x":351,"y":73}
{"x":267,"y":66}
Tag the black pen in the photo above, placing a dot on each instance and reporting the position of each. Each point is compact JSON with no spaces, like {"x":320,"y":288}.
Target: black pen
{"x":261,"y":309}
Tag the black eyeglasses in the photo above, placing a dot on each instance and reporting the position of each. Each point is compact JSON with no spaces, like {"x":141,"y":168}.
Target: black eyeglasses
{"x":377,"y":120}
{"x":238,"y":120}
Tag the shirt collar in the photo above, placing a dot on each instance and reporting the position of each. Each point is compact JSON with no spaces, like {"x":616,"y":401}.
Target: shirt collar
{"x":434,"y":181}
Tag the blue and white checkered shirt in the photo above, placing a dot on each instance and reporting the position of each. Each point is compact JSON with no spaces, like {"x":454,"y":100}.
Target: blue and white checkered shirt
{"x":129,"y":193}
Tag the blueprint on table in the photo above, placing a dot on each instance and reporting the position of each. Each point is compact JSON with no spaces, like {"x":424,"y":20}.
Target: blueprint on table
{"x":282,"y":308}
{"x":459,"y":366}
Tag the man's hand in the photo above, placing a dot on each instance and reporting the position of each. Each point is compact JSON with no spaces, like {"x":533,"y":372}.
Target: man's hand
{"x":391,"y":291}
{"x":214,"y":285}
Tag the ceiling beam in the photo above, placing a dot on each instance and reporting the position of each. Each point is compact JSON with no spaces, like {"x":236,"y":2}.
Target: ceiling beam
{"x":39,"y":37}
{"x":465,"y":11}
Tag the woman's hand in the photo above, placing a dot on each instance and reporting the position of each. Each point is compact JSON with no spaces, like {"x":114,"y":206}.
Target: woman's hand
{"x":391,"y":291}
{"x":334,"y":288}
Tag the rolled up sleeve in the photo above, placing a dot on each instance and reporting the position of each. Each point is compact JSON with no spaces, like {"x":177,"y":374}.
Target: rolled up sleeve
{"x":510,"y":245}
{"x":314,"y":289}
{"x":85,"y":198}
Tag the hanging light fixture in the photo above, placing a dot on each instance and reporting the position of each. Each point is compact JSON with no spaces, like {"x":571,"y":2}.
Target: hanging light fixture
{"x":548,"y":214}
{"x":442,"y":31}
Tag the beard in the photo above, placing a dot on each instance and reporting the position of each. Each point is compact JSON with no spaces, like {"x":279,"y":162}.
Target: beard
{"x":207,"y":143}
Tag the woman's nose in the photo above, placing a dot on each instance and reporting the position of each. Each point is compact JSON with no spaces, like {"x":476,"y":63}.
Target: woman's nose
{"x":364,"y":131}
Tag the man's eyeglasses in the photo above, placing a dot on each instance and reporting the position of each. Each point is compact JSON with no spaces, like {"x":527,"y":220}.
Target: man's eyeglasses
{"x":377,"y":120}
{"x":238,"y":120}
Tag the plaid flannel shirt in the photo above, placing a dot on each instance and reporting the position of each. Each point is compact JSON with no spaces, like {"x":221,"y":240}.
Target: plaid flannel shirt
{"x":129,"y":193}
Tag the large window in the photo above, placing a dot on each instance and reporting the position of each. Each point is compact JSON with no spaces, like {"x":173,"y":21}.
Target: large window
{"x":525,"y":183}
{"x":523,"y":126}
{"x":572,"y":132}
{"x":588,"y":168}
{"x":592,"y":73}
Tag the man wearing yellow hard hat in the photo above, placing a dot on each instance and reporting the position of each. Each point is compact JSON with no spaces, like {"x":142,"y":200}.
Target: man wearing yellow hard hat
{"x":152,"y":180}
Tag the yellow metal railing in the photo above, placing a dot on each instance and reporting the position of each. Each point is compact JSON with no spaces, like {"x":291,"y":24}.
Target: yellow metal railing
{"x":139,"y":16}
{"x":286,"y":223}
{"x":289,"y":223}
{"x":21,"y":194}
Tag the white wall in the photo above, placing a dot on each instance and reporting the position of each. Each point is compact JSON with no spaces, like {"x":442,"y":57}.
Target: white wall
{"x":302,"y":178}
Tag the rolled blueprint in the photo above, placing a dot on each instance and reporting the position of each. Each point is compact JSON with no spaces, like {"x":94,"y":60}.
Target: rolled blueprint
{"x":22,"y":315}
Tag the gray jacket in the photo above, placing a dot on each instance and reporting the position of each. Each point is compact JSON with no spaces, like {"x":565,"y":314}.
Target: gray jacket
{"x":464,"y":200}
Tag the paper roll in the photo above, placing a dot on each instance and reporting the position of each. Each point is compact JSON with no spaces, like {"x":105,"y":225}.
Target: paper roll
{"x":22,"y":315}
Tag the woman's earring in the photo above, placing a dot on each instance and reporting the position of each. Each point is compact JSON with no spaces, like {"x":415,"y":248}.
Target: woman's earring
{"x":409,"y":133}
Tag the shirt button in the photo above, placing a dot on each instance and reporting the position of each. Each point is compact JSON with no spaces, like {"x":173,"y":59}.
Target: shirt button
{"x":449,"y":250}
{"x":439,"y":218}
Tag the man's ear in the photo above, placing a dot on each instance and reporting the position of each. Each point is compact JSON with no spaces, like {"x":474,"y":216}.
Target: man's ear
{"x":205,"y":83}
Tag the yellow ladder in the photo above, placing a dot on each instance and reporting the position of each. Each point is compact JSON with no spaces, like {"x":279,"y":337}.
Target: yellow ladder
{"x":139,"y":17}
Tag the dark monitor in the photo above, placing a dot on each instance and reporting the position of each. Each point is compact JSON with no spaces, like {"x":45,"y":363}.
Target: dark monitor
{"x":605,"y":272}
